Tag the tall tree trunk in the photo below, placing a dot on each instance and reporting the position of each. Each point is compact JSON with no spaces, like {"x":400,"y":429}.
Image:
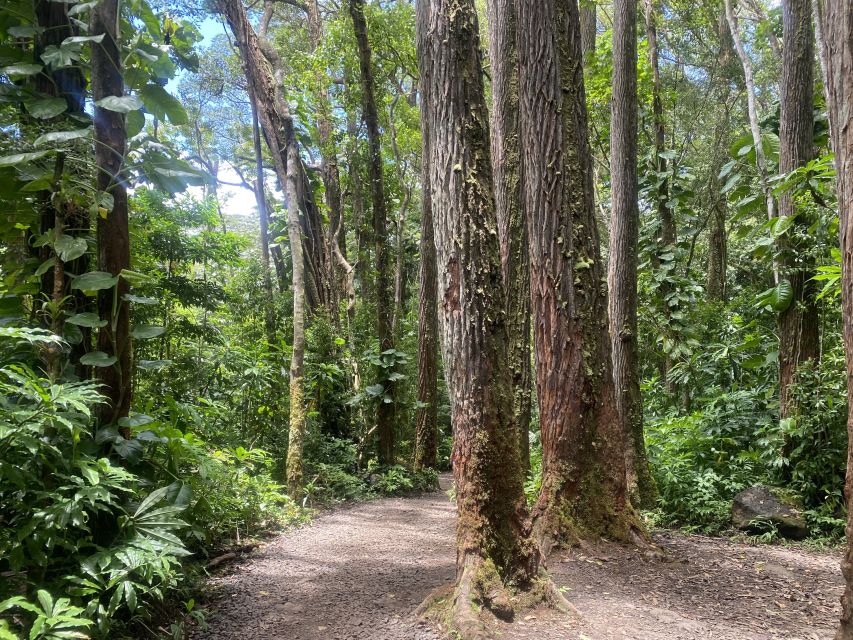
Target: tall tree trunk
{"x":492,"y":546}
{"x":512,"y":225}
{"x":715,"y":285}
{"x":113,"y":234}
{"x":583,"y":448}
{"x":624,"y":238}
{"x":67,"y":218}
{"x":296,"y":436}
{"x":426,"y":415}
{"x":799,"y":338}
{"x":589,"y":28}
{"x":384,"y":310}
{"x":263,"y":215}
{"x":277,"y":126}
{"x":666,"y":216}
{"x":328,"y":164}
{"x":837,"y":23}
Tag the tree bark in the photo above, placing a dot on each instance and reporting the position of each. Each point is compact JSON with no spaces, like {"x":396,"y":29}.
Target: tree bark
{"x":492,"y":548}
{"x":837,"y":23}
{"x":512,"y":225}
{"x":113,"y":234}
{"x":666,"y":216}
{"x":296,"y":436}
{"x":426,"y":415}
{"x":589,"y":28}
{"x":715,"y":284}
{"x":583,"y":447}
{"x":624,"y":238}
{"x":799,"y":338}
{"x":384,"y":306}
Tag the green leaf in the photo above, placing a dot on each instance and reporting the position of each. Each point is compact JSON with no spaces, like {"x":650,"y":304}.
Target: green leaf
{"x":58,"y":137}
{"x":120,"y":104}
{"x":21,"y":158}
{"x":135,"y":123}
{"x":98,"y":359}
{"x":82,"y":7}
{"x":163,"y":105}
{"x":87,"y":319}
{"x":69,"y":248}
{"x":135,"y":278}
{"x":46,"y":601}
{"x":146,"y":331}
{"x":22,"y":69}
{"x":135,"y":420}
{"x":59,"y":57}
{"x":47,"y":108}
{"x":94,"y":281}
{"x":130,"y":595}
{"x":80,"y":39}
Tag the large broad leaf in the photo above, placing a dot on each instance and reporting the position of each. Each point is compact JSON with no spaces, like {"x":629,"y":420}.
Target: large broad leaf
{"x":163,"y":105}
{"x":98,"y":359}
{"x":60,"y":57}
{"x":47,"y":108}
{"x":778,"y":298}
{"x":81,"y":39}
{"x":22,"y":69}
{"x":94,"y":281}
{"x":58,"y":137}
{"x":135,"y":123}
{"x":21,"y":158}
{"x":120,"y":104}
{"x":140,"y":299}
{"x":146,"y":331}
{"x":87,"y":320}
{"x":69,"y":248}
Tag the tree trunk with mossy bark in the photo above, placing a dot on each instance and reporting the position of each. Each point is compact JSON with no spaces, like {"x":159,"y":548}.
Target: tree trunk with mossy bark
{"x":296,"y":436}
{"x":384,"y":306}
{"x":584,"y":490}
{"x":624,"y":238}
{"x":493,"y":548}
{"x":512,"y":225}
{"x":426,"y":416}
{"x":113,"y":232}
{"x":799,"y":324}
{"x":279,"y":134}
{"x":837,"y":27}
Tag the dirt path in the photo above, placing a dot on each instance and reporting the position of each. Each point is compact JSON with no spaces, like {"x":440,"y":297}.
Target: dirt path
{"x":359,"y":573}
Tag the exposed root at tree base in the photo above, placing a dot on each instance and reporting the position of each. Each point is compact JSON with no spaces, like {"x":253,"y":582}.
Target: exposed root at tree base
{"x":468,"y":609}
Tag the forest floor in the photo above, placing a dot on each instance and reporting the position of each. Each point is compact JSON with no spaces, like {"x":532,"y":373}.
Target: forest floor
{"x":359,"y":572}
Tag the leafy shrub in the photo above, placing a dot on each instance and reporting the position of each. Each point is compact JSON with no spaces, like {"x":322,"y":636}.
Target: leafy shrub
{"x":699,"y":467}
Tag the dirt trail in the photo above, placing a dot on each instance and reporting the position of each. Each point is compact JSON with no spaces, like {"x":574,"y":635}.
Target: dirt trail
{"x":359,"y":573}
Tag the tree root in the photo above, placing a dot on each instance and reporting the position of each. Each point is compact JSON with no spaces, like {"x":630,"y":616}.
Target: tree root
{"x":467,"y":610}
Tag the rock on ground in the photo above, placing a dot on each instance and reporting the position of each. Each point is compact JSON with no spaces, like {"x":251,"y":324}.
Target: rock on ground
{"x":753,"y":508}
{"x":359,"y":573}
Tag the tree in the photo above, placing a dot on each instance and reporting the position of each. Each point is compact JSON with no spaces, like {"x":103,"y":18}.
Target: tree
{"x":665,"y":213}
{"x":277,"y":124}
{"x":799,"y":337}
{"x":837,"y":28}
{"x":114,"y":338}
{"x":512,"y":225}
{"x":492,"y":548}
{"x":583,"y":452}
{"x":624,"y":236}
{"x":384,"y":306}
{"x":426,"y":417}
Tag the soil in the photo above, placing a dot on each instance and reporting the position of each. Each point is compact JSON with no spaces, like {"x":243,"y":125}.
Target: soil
{"x":359,"y":573}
